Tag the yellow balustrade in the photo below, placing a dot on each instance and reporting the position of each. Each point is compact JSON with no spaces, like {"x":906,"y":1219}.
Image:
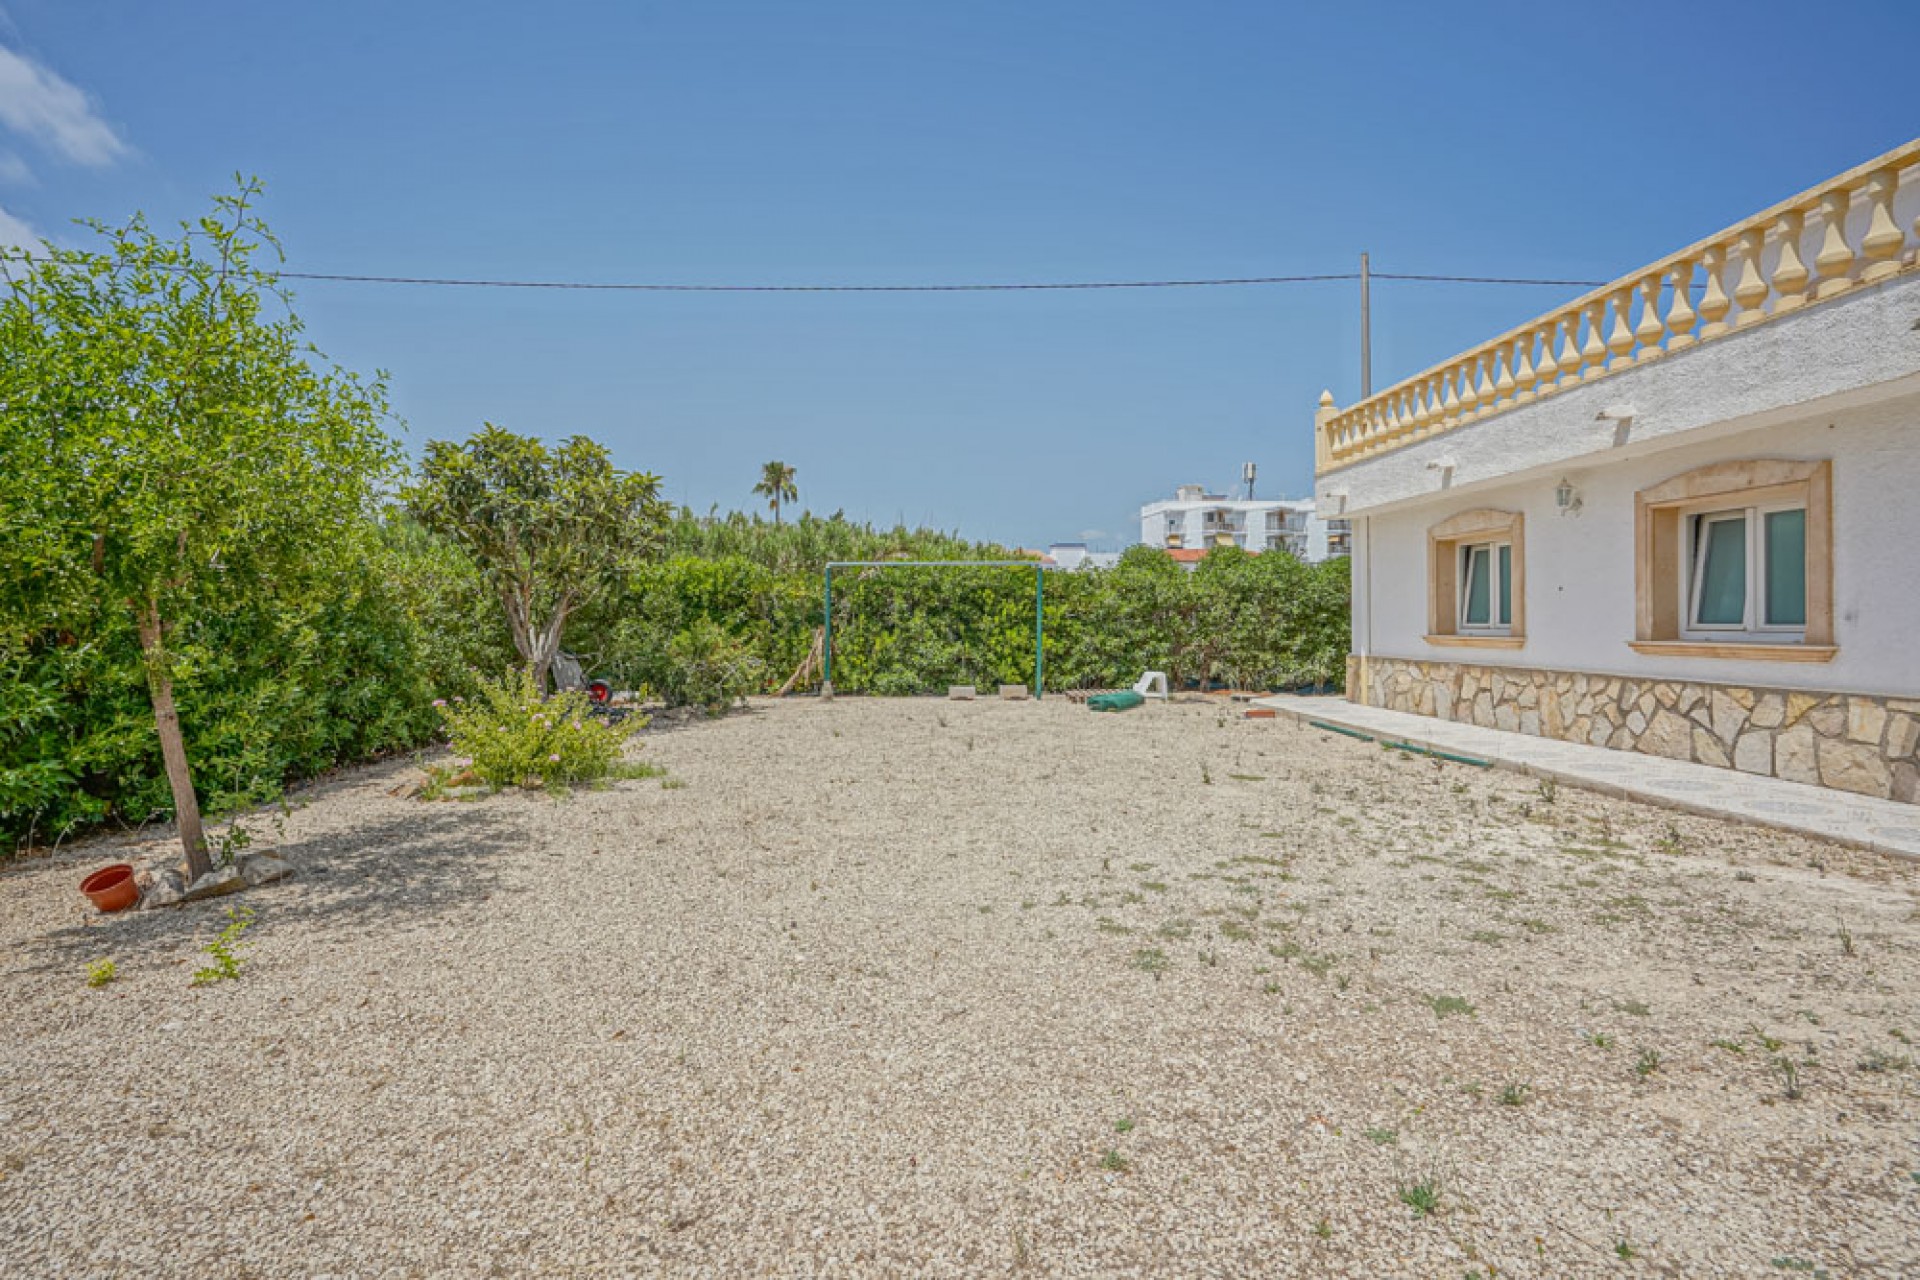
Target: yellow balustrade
{"x":1745,"y":275}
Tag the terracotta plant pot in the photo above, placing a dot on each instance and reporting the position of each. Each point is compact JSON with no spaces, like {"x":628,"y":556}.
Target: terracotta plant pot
{"x":112,"y":888}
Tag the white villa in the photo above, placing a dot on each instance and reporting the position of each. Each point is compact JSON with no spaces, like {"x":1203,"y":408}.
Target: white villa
{"x":1679,"y":515}
{"x":1194,"y":521}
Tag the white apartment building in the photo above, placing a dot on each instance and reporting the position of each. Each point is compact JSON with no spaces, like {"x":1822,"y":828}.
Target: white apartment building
{"x":1194,"y":521}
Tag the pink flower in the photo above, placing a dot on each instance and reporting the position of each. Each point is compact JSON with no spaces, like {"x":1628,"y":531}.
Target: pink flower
{"x":555,"y":758}
{"x":439,"y":702}
{"x":576,"y":724}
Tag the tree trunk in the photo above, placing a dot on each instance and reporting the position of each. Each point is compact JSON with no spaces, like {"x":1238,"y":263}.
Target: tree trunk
{"x":546,"y":646}
{"x":173,"y":749}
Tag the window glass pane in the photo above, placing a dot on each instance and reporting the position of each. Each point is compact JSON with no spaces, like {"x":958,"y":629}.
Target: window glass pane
{"x":1506,"y":585}
{"x":1786,"y":597}
{"x":1723,"y":572}
{"x":1477,"y":593}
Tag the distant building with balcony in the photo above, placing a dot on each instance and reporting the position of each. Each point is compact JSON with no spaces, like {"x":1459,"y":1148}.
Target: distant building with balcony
{"x":1677,"y":515}
{"x":1194,"y":521}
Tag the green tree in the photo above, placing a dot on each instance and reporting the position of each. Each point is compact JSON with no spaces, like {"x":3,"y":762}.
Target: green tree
{"x":549,"y":529}
{"x":776,"y":486}
{"x":168,"y":445}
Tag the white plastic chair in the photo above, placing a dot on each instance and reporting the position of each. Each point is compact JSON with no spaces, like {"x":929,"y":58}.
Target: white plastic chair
{"x":1152,"y":685}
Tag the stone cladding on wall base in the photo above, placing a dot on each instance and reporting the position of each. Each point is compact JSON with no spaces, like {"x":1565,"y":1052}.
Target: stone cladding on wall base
{"x":1852,"y":742}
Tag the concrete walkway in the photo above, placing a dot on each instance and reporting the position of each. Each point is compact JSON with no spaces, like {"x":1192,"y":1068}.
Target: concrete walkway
{"x":1885,"y":826}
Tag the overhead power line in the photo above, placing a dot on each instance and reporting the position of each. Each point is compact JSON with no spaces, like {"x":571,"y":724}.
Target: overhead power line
{"x":459,"y":283}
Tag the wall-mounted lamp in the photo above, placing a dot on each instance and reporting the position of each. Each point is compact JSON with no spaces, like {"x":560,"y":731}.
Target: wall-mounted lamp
{"x":1616,"y":413}
{"x":1567,"y":498}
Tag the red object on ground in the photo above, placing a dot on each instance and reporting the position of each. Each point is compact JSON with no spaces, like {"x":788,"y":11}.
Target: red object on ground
{"x":1260,"y":713}
{"x":600,"y":691}
{"x":112,"y":888}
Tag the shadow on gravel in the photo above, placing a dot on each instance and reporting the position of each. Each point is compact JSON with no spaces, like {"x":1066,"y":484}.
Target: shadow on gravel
{"x":393,"y":873}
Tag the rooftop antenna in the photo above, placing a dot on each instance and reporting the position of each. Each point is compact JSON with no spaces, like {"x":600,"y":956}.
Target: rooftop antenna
{"x":1246,"y":476}
{"x":1366,"y":329}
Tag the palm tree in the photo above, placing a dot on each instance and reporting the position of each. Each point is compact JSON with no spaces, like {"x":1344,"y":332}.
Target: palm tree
{"x":776,"y":486}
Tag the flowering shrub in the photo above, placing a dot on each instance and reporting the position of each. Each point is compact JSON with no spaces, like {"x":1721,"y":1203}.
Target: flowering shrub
{"x":508,"y":735}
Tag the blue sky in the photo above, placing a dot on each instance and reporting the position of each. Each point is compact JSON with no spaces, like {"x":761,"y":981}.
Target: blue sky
{"x":916,"y":142}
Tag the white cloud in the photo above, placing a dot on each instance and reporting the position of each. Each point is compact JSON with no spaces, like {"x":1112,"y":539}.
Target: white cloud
{"x":15,"y":234}
{"x":38,"y":104}
{"x":14,"y":170}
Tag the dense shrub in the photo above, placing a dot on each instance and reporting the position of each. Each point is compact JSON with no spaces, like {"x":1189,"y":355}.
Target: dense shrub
{"x":706,"y":667}
{"x":509,"y":736}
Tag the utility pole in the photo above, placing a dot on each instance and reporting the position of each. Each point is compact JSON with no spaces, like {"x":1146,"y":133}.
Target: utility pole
{"x":1366,"y":330}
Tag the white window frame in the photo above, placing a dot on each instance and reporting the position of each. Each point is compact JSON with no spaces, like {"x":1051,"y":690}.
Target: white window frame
{"x":1496,"y":624}
{"x":1753,"y":625}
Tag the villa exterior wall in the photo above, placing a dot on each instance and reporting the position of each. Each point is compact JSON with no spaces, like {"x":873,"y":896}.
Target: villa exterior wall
{"x":1580,"y":569}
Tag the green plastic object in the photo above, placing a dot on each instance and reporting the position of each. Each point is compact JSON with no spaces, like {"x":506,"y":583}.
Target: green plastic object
{"x":1125,"y":700}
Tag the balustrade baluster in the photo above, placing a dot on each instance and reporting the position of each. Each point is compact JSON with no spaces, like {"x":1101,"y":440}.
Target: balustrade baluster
{"x":1881,"y":245}
{"x":1620,"y":338}
{"x":1751,"y":290}
{"x":1594,"y":354}
{"x":1649,"y":331}
{"x":1789,"y":273}
{"x":1487,"y":361}
{"x":1835,"y":259}
{"x":1503,"y":362}
{"x":1680,"y":312}
{"x":1548,"y":369}
{"x":1714,"y":302}
{"x":1524,"y":377}
{"x":1451,"y":405}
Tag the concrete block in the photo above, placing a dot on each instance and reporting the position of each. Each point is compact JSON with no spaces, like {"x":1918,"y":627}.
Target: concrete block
{"x":1013,"y":692}
{"x":961,"y":693}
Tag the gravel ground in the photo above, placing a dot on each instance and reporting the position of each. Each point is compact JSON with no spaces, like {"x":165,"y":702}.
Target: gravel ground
{"x":912,"y":987}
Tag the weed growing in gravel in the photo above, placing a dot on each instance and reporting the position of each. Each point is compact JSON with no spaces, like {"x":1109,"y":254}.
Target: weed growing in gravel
{"x":101,"y":972}
{"x":1877,"y":1061}
{"x":1206,"y":774}
{"x":673,"y":784}
{"x":1114,"y":1162}
{"x":1515,"y":1095}
{"x":1623,"y":1249}
{"x":225,"y":949}
{"x":1731,"y":1046}
{"x":635,"y":770}
{"x":1647,"y":1063}
{"x":1486,"y":937}
{"x":1767,"y":1042}
{"x":1150,"y":960}
{"x":1318,"y":965}
{"x":1123,"y":1125}
{"x":1176,"y":929}
{"x":1548,"y":790}
{"x":1448,"y":1006}
{"x":1846,"y":939}
{"x":1323,"y":1229}
{"x":1788,"y":1072}
{"x":1635,"y":1007}
{"x":1383,"y":1137}
{"x":1673,"y":844}
{"x":1422,"y":1195}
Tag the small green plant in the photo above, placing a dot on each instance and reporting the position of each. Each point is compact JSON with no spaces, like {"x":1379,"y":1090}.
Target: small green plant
{"x":1123,"y":1125}
{"x":225,"y":949}
{"x":507,"y":735}
{"x":1422,"y":1194}
{"x":1114,"y":1162}
{"x":1623,"y":1249}
{"x":1206,"y":774}
{"x":1879,"y":1062}
{"x":1731,"y":1046}
{"x":229,"y":844}
{"x":1845,"y":935}
{"x":1787,"y":1071}
{"x":1673,"y":844}
{"x":1324,"y":1229}
{"x":1515,"y":1095}
{"x":1548,"y":790}
{"x":1383,"y":1137}
{"x":1450,"y":1006}
{"x":1767,"y":1042}
{"x":1599,"y":1039}
{"x":1150,"y":960}
{"x":673,"y":784}
{"x":1636,"y":1008}
{"x":1647,"y":1063}
{"x":101,"y":972}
